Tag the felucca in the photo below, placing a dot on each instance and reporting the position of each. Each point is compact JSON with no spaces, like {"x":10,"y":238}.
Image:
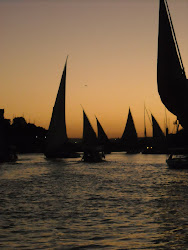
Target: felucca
{"x":57,"y":143}
{"x":91,"y":148}
{"x":157,"y":144}
{"x":171,"y":77}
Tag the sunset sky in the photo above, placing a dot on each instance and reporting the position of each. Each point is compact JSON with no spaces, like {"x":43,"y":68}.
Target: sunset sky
{"x":112,"y":48}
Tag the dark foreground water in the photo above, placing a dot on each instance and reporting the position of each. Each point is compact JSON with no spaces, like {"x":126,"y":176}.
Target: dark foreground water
{"x":127,"y":202}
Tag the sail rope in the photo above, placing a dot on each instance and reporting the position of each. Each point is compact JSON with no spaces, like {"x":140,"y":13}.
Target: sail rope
{"x":149,"y":117}
{"x":174,"y":35}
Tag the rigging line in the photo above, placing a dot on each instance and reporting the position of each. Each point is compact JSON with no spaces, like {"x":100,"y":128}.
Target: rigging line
{"x":175,"y":40}
{"x":174,"y":34}
{"x":149,"y":118}
{"x":82,"y":108}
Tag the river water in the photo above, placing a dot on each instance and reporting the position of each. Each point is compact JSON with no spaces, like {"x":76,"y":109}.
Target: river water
{"x":125,"y":202}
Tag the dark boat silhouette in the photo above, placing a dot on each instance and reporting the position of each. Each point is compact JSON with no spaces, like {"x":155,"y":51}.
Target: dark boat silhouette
{"x":157,"y":144}
{"x":171,"y":77}
{"x":103,"y":140}
{"x":129,"y":139}
{"x":177,"y":162}
{"x":57,"y":144}
{"x":92,"y":150}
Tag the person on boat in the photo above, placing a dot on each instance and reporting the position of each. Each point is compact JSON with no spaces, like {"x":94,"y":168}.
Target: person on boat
{"x":170,"y":157}
{"x":103,"y":155}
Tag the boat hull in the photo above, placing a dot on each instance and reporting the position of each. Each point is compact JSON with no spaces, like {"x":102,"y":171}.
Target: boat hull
{"x":63,"y":155}
{"x":12,"y":157}
{"x":92,"y":157}
{"x":177,"y":163}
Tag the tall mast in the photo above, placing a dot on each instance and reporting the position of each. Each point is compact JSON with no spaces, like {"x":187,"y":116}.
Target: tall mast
{"x":145,"y":121}
{"x":166,"y":129}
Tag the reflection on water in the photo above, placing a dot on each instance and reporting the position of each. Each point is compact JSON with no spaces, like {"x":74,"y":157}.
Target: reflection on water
{"x":127,"y":202}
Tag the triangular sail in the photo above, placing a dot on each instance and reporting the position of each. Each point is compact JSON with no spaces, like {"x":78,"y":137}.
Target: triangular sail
{"x":89,"y":135}
{"x":57,"y":134}
{"x":102,"y":137}
{"x":171,"y":77}
{"x":157,"y":131}
{"x":129,"y":136}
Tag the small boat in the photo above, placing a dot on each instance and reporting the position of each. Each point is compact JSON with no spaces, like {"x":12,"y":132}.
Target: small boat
{"x":157,"y":144}
{"x":178,"y":161}
{"x":129,"y":139}
{"x":57,"y":143}
{"x":171,"y":77}
{"x":93,"y":152}
{"x":103,"y":138}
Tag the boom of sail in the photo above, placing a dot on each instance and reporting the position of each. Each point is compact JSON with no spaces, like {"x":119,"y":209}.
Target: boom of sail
{"x":171,"y":78}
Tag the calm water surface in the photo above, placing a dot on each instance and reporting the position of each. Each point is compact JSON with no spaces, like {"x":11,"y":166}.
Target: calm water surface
{"x":126,"y":202}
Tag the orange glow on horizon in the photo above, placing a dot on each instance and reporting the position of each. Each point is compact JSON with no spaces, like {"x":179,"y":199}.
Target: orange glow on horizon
{"x":112,"y":48}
